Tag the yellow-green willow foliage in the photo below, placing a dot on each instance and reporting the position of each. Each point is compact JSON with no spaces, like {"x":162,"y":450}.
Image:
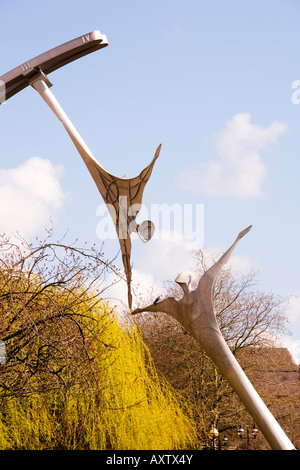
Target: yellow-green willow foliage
{"x":76,"y":376}
{"x":143,"y":412}
{"x":130,"y":408}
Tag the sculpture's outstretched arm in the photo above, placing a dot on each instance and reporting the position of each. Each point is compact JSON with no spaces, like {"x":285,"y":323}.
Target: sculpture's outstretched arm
{"x":225,"y":257}
{"x":210,"y":276}
{"x":169,"y":305}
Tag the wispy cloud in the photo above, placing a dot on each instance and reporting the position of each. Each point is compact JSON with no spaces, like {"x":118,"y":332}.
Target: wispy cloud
{"x":293,"y":309}
{"x":239,"y":170}
{"x":292,"y":345}
{"x":293,"y":318}
{"x":30,"y":196}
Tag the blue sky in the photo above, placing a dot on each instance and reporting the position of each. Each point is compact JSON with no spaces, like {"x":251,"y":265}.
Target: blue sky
{"x":211,"y":81}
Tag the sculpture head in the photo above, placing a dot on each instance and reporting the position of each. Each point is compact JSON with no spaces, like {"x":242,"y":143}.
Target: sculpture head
{"x":185,"y":280}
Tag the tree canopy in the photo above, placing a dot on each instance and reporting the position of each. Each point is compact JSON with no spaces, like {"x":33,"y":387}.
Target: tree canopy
{"x":248,"y":318}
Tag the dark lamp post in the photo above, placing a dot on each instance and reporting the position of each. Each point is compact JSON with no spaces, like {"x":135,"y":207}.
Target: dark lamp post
{"x":241,"y":433}
{"x":225,"y":441}
{"x":213,"y":434}
{"x":254,"y":431}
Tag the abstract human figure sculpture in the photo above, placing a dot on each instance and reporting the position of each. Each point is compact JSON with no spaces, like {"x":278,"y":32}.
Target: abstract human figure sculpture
{"x":195,"y":312}
{"x":122,"y":196}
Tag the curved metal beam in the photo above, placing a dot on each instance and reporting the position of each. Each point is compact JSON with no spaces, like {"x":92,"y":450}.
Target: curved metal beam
{"x":17,"y":79}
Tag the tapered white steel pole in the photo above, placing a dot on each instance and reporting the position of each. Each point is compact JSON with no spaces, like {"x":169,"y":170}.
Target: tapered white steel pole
{"x":41,"y":85}
{"x":215,"y":346}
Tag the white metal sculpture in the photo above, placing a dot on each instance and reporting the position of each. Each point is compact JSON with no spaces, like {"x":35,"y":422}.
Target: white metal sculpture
{"x":122,"y":196}
{"x":195,"y":312}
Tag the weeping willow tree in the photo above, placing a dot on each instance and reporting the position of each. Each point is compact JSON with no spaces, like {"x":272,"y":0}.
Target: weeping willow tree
{"x":76,"y":376}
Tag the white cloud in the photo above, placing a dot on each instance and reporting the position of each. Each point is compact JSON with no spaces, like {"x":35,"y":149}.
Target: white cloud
{"x":240,"y":264}
{"x":292,"y":345}
{"x":161,"y":260}
{"x":293,"y":309}
{"x":144,"y":290}
{"x":239,"y":170}
{"x":243,"y":264}
{"x":155,"y":262}
{"x":293,"y":317}
{"x":165,"y":256}
{"x":30,"y":196}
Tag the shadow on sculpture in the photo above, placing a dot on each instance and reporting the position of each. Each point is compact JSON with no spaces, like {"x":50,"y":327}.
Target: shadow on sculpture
{"x":195,"y":312}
